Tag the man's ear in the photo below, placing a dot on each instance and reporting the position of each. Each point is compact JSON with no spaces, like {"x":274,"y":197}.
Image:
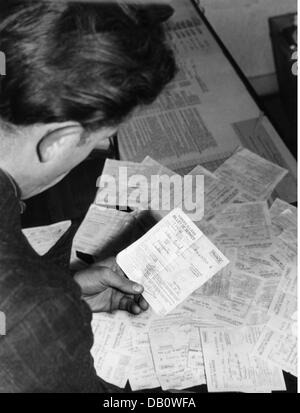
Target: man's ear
{"x":59,"y":141}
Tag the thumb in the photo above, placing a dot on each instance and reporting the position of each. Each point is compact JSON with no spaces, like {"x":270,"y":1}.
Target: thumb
{"x":118,"y":282}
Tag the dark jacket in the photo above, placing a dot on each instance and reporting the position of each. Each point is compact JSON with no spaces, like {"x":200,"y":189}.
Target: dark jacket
{"x":48,"y":339}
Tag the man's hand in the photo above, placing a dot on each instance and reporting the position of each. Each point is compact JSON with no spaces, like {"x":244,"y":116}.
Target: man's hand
{"x":105,"y":289}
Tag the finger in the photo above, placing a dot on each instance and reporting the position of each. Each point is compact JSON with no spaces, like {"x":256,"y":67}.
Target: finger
{"x":129,"y":305}
{"x":121,"y":283}
{"x":140,"y":300}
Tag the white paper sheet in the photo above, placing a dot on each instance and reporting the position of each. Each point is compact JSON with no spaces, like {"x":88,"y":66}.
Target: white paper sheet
{"x":253,"y":175}
{"x":42,"y":239}
{"x":100,"y":226}
{"x":171,"y":261}
{"x":229,"y":365}
{"x":246,"y":224}
{"x":112,"y":348}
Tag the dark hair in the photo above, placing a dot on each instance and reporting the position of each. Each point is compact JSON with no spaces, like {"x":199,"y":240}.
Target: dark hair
{"x":86,"y":62}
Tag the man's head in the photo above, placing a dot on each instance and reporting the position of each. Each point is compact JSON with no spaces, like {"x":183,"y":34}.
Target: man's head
{"x":74,"y":73}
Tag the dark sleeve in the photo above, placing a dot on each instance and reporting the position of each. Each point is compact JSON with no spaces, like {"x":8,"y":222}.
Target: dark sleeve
{"x":49,"y":351}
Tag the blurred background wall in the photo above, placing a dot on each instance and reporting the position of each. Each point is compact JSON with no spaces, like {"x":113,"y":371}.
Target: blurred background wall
{"x":244,"y":29}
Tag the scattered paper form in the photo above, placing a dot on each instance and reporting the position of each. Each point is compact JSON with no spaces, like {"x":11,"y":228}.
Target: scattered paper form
{"x":254,"y":176}
{"x":171,"y":261}
{"x":278,"y":340}
{"x":100,"y":226}
{"x":246,"y":224}
{"x":42,"y":239}
{"x":112,"y":349}
{"x":229,"y":365}
{"x":125,"y":184}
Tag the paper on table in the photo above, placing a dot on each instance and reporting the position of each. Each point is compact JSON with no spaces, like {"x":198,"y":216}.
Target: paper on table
{"x":125,"y":184}
{"x":278,"y":340}
{"x":164,"y":198}
{"x":246,"y":224}
{"x":183,"y":10}
{"x":283,"y":253}
{"x":195,"y":357}
{"x":277,"y":344}
{"x":174,"y":137}
{"x":285,"y":225}
{"x":258,"y":135}
{"x":112,"y":349}
{"x":180,"y":129}
{"x":209,"y":177}
{"x":233,"y":306}
{"x":253,"y":175}
{"x":187,"y":31}
{"x":234,"y":296}
{"x":289,"y":279}
{"x":142,"y":375}
{"x":170,"y":346}
{"x":218,"y":195}
{"x":283,"y":304}
{"x":255,"y":261}
{"x":280,"y":206}
{"x":177,"y":355}
{"x":171,"y":261}
{"x":42,"y":239}
{"x":229,"y":365}
{"x":100,"y":226}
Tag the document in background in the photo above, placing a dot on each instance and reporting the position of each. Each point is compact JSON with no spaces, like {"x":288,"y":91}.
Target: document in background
{"x":119,"y":184}
{"x":247,"y":224}
{"x":189,"y":32}
{"x":253,"y":175}
{"x":258,"y":135}
{"x":139,"y":186}
{"x":230,"y":366}
{"x":278,"y":340}
{"x":171,"y":261}
{"x":100,"y":227}
{"x":186,"y":193}
{"x":217,"y":194}
{"x":42,"y":239}
{"x":285,"y":226}
{"x":255,"y":261}
{"x":279,"y":206}
{"x":277,"y":344}
{"x":283,"y":251}
{"x":142,"y":374}
{"x":170,"y":346}
{"x":112,"y":348}
{"x":230,"y":306}
{"x":177,"y":355}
